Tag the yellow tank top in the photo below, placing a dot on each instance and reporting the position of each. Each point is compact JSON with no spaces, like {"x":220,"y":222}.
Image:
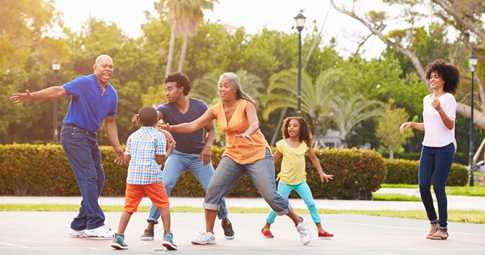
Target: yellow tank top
{"x":293,"y":164}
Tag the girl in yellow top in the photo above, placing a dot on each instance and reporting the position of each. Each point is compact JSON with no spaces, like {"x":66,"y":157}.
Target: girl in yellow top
{"x":294,"y":146}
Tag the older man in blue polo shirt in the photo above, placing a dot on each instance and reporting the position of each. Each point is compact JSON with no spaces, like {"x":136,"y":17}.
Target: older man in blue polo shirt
{"x":93,"y":101}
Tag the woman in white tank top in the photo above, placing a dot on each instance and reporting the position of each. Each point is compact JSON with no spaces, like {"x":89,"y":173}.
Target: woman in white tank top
{"x":439,"y":145}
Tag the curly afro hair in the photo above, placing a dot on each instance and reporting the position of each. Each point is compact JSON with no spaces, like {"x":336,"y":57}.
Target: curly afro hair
{"x":448,"y":73}
{"x":305,"y":133}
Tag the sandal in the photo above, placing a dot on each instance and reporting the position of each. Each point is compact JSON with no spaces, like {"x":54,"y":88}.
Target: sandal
{"x":439,"y":235}
{"x":434,"y":228}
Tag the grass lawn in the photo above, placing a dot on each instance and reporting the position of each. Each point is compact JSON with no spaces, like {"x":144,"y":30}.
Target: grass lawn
{"x":394,"y":197}
{"x":467,"y":216}
{"x":399,"y":186}
{"x":450,"y":190}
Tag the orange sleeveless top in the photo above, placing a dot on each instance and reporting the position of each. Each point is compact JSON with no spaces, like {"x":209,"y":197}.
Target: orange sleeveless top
{"x":241,"y":150}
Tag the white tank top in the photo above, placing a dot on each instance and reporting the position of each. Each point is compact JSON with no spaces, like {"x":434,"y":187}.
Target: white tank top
{"x":436,"y":134}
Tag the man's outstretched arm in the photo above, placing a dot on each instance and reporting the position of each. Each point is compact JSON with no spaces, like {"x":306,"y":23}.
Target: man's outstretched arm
{"x":41,"y":95}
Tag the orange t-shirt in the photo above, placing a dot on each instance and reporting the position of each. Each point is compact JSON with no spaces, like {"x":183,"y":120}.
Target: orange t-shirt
{"x":241,"y":150}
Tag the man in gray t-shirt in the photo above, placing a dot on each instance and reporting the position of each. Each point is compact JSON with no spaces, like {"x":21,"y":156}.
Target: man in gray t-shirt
{"x":192,"y":151}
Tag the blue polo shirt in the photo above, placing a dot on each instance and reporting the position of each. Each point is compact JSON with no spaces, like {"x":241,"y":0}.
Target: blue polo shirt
{"x":88,"y":108}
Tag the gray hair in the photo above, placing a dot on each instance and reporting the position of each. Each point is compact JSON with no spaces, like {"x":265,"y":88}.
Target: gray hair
{"x":236,"y":83}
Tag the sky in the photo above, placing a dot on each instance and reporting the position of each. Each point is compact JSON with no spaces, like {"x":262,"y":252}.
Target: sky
{"x":253,"y":15}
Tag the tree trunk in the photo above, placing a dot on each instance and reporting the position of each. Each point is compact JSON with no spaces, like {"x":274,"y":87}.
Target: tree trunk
{"x":278,"y":126}
{"x":461,"y":19}
{"x":465,"y":110}
{"x":183,"y":52}
{"x":343,"y":139}
{"x":391,"y":153}
{"x":378,"y":32}
{"x":481,"y":92}
{"x":316,"y":132}
{"x":171,"y":47}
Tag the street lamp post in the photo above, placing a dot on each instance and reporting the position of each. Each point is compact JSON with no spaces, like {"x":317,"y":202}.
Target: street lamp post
{"x":55,"y":67}
{"x":472,"y":61}
{"x":300,"y":24}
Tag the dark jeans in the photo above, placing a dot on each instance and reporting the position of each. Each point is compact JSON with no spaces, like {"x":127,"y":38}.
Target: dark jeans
{"x":437,"y":161}
{"x":84,"y":156}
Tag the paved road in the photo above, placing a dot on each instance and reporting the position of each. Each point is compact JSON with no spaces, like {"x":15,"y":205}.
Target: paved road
{"x":45,"y":233}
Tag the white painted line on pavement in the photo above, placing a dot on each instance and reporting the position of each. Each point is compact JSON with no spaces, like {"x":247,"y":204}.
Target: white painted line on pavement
{"x":7,"y":245}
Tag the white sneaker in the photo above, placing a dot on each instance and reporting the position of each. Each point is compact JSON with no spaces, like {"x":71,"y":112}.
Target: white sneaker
{"x":102,"y":232}
{"x":77,"y":233}
{"x":304,"y":232}
{"x":204,"y":238}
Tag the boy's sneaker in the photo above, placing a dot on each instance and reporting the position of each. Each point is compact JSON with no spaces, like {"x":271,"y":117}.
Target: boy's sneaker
{"x":102,"y":232}
{"x":148,"y":235}
{"x":227,"y":227}
{"x":168,"y":242}
{"x":304,"y":232}
{"x":77,"y":233}
{"x":119,"y":242}
{"x":204,"y":238}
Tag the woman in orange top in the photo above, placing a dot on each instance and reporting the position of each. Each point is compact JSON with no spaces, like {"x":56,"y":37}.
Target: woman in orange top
{"x":247,"y":152}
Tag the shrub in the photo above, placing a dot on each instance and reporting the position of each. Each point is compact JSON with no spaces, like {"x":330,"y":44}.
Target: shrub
{"x":406,"y":172}
{"x":44,"y":170}
{"x":460,"y":157}
{"x":357,"y":173}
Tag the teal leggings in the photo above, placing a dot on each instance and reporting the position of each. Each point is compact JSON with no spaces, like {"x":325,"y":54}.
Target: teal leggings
{"x":304,"y":192}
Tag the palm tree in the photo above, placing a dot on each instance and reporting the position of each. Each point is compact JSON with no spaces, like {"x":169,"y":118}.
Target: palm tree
{"x":184,"y":16}
{"x":205,"y":88}
{"x":350,"y":109}
{"x":190,"y":22}
{"x":251,"y":84}
{"x":316,"y":96}
{"x":173,"y":13}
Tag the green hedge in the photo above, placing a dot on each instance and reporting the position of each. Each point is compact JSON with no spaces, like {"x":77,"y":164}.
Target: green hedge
{"x":460,"y":157}
{"x":44,"y":170}
{"x":403,"y":171}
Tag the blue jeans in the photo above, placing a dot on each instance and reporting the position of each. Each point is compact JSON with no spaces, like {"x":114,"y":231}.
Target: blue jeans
{"x":437,"y":161}
{"x":262,"y":174}
{"x":304,"y":192}
{"x":84,"y":157}
{"x":176,"y":164}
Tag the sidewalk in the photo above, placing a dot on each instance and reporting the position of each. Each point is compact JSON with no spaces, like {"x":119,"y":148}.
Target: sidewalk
{"x":454,"y":203}
{"x":403,"y":191}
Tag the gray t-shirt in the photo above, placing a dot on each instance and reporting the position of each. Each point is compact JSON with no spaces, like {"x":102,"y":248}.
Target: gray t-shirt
{"x":191,"y":143}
